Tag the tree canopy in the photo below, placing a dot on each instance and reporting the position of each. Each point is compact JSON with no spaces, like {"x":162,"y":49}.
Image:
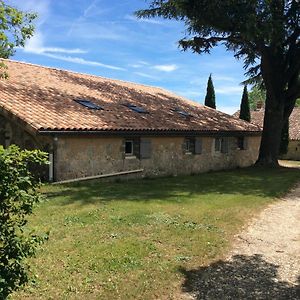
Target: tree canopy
{"x":264,"y":33}
{"x":15,"y":28}
{"x":210,"y":98}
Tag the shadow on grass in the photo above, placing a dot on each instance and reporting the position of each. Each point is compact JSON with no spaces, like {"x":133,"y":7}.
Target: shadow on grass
{"x":243,"y":277}
{"x":249,"y":181}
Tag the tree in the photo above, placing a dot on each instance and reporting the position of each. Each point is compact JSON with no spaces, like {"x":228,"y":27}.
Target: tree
{"x":210,"y":98}
{"x":285,"y":137}
{"x":244,"y":108}
{"x":18,"y":194}
{"x":256,"y":96}
{"x":15,"y":28}
{"x":264,"y":33}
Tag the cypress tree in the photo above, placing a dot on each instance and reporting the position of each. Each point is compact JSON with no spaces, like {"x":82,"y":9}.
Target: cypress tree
{"x":210,"y":98}
{"x":245,"y":108}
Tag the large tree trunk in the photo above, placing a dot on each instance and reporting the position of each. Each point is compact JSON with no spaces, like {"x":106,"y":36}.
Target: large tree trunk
{"x":274,"y":110}
{"x":271,"y":136}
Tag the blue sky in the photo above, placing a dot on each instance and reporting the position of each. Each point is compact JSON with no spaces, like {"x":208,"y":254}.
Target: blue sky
{"x":102,"y":37}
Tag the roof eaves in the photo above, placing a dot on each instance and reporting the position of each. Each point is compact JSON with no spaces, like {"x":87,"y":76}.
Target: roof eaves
{"x":150,"y":132}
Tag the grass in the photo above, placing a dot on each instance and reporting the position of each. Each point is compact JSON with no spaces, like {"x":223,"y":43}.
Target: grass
{"x":130,"y":240}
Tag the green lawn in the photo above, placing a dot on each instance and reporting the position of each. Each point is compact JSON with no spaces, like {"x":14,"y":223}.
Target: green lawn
{"x":131,"y":240}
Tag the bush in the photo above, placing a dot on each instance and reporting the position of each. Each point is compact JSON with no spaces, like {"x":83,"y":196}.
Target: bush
{"x":18,"y":194}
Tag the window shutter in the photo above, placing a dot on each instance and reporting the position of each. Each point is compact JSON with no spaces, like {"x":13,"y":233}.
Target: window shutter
{"x":224,"y":145}
{"x":198,"y":146}
{"x":192,"y":145}
{"x":217,"y":144}
{"x":183,"y":146}
{"x":122,"y":149}
{"x":136,"y":147}
{"x":245,"y":143}
{"x":146,"y":148}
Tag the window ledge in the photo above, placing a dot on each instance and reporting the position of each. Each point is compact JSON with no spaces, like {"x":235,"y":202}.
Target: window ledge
{"x":130,"y":157}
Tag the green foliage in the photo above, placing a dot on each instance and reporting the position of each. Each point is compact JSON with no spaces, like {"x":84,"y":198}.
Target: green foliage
{"x":245,"y":27}
{"x":264,"y":33}
{"x":284,"y":142}
{"x":18,"y":194}
{"x":15,"y":28}
{"x":210,"y":98}
{"x":256,"y":95}
{"x":244,"y":108}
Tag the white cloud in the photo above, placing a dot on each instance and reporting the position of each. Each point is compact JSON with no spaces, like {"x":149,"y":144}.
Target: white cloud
{"x":93,"y":31}
{"x":135,"y":19}
{"x":190,"y":94}
{"x":146,"y":75}
{"x":165,"y":68}
{"x":41,"y":7}
{"x":139,"y":64}
{"x":136,"y":66}
{"x":222,"y":78}
{"x":230,"y":90}
{"x":82,"y":61}
{"x":36,"y":45}
{"x":203,"y":80}
{"x":228,"y":109}
{"x":91,"y":9}
{"x":198,"y":81}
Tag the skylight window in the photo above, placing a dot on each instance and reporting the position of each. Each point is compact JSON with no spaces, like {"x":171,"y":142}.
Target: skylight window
{"x":182,"y":112}
{"x":89,"y":104}
{"x":137,"y":109}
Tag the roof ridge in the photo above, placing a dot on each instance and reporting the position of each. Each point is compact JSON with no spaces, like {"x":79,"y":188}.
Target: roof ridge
{"x":88,"y":74}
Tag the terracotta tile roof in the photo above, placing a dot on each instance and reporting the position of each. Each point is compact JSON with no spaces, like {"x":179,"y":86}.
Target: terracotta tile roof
{"x":257,"y":117}
{"x":44,"y":98}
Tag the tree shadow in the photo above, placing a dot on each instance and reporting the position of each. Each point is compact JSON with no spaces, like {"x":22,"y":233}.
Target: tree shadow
{"x":242,"y":277}
{"x":250,"y":181}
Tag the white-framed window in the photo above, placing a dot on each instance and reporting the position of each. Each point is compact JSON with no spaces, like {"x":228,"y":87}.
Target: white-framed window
{"x":222,"y":145}
{"x":137,"y":147}
{"x":187,"y":146}
{"x":225,"y":145}
{"x":128,"y":147}
{"x":241,"y":143}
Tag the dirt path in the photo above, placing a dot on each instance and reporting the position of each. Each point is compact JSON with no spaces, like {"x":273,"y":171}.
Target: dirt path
{"x":264,"y":262}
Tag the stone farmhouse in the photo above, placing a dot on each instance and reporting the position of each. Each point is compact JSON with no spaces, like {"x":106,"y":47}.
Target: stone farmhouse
{"x":91,"y":125}
{"x":293,"y":153}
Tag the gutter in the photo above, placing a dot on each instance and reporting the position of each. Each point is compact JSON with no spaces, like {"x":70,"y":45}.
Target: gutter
{"x":236,"y":133}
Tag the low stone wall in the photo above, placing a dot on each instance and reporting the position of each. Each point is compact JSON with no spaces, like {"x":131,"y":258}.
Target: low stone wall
{"x":88,"y":156}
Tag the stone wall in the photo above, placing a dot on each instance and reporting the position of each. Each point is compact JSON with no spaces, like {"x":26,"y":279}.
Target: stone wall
{"x":87,"y":156}
{"x":293,"y":151}
{"x":14,"y":132}
{"x":83,"y":156}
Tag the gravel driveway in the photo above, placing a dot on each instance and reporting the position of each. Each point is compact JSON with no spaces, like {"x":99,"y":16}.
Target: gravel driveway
{"x":264,"y":262}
